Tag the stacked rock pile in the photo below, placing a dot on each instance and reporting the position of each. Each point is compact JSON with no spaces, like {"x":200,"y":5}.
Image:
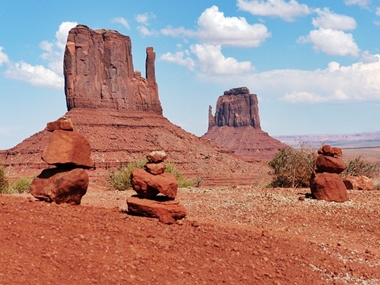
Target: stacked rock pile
{"x":156,"y":191}
{"x":326,"y":183}
{"x":69,"y":152}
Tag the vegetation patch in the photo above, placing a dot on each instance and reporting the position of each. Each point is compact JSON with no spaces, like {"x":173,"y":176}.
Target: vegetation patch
{"x":21,"y":185}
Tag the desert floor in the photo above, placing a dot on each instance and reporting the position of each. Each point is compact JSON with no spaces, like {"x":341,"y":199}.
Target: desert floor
{"x":231,"y":235}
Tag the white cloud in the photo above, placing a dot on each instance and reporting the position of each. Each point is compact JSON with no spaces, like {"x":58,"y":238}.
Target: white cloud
{"x":378,"y":11}
{"x":212,"y":61}
{"x":275,"y":8}
{"x":144,"y":31}
{"x":37,"y":75}
{"x":361,"y":3}
{"x":179,"y":58}
{"x":329,"y":20}
{"x":331,"y":42}
{"x":216,"y":29}
{"x":144,"y":18}
{"x":367,"y":57}
{"x":3,"y":57}
{"x":303,"y":97}
{"x":121,"y":21}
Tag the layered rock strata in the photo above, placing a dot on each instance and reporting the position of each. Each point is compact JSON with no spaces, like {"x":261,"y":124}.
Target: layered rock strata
{"x":148,"y":184}
{"x":325,"y":182}
{"x":70,"y":153}
{"x":236,"y":126}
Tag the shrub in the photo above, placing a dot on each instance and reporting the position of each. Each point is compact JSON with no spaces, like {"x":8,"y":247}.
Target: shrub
{"x":3,"y":180}
{"x":21,"y":185}
{"x":120,"y":179}
{"x":293,"y":168}
{"x":183,"y":181}
{"x":358,"y":166}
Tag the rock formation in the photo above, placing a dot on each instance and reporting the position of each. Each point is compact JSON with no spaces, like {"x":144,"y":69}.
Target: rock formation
{"x":148,"y":185}
{"x":119,"y":113}
{"x":236,"y":126}
{"x":70,"y":153}
{"x":360,"y":182}
{"x":326,"y":183}
{"x":99,"y":73}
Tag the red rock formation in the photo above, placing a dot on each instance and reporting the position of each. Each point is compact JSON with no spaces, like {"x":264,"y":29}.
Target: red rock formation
{"x":120,"y":115}
{"x":99,"y":73}
{"x":360,"y":182}
{"x":329,"y":187}
{"x":236,"y":126}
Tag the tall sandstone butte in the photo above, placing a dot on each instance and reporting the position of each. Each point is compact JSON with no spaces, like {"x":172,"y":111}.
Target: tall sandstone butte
{"x":236,"y":126}
{"x":99,"y":73}
{"x":119,"y":113}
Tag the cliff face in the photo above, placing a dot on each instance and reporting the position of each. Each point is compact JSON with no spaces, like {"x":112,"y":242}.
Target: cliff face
{"x":236,"y":126}
{"x":236,"y":108}
{"x":99,"y":73}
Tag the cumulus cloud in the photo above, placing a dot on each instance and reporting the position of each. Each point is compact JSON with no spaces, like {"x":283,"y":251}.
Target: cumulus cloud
{"x":37,"y":75}
{"x":287,"y":11}
{"x":144,"y":18}
{"x":331,"y":42}
{"x":216,"y":29}
{"x":122,"y":21}
{"x":3,"y":57}
{"x":329,"y":20}
{"x":179,"y":58}
{"x":361,"y":3}
{"x":303,"y":97}
{"x":212,"y":61}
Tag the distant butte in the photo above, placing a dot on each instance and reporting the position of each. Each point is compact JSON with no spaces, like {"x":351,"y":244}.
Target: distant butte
{"x":236,"y":126}
{"x":119,"y":112}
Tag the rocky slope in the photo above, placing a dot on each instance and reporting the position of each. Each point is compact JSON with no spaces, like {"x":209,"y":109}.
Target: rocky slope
{"x":236,"y":126}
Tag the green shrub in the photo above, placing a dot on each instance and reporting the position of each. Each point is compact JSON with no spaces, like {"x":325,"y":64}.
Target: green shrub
{"x":21,"y":185}
{"x":183,"y":181}
{"x":293,"y":168}
{"x":3,"y":180}
{"x":358,"y":166}
{"x":120,"y":179}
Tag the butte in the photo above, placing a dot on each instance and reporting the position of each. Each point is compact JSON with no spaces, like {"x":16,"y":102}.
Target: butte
{"x":120,"y":114}
{"x":236,"y":126}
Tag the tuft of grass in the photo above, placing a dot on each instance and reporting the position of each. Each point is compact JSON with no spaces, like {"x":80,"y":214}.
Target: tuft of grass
{"x":21,"y":185}
{"x":120,"y":179}
{"x":293,"y":168}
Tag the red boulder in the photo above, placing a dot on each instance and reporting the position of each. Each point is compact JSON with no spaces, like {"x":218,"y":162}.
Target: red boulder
{"x":60,"y":185}
{"x":328,"y":187}
{"x":167,"y":211}
{"x":358,"y":183}
{"x":330,"y":164}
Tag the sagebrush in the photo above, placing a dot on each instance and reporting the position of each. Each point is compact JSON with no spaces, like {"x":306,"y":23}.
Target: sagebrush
{"x":21,"y":185}
{"x":358,"y":166}
{"x":292,"y":167}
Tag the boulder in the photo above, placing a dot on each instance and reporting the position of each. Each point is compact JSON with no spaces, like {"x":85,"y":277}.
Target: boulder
{"x":63,"y":123}
{"x":330,"y":151}
{"x":148,"y":185}
{"x":68,"y":148}
{"x":60,"y":185}
{"x":358,"y":183}
{"x":167,"y":211}
{"x":156,"y":156}
{"x":328,"y":187}
{"x":155,"y":168}
{"x":330,"y":164}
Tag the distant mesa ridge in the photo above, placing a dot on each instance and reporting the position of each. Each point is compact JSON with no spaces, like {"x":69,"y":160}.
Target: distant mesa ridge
{"x":236,"y":126}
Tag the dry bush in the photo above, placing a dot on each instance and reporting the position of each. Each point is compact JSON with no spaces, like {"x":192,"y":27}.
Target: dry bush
{"x":358,"y":166}
{"x":293,"y":168}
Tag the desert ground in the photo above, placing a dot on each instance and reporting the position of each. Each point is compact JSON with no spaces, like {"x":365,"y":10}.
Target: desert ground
{"x":231,"y":235}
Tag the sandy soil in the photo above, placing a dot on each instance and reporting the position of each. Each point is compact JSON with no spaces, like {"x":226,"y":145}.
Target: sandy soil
{"x":239,"y":235}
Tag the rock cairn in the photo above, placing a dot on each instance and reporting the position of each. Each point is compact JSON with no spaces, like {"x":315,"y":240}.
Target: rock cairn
{"x":326,"y":183}
{"x":70,"y":153}
{"x":156,"y":191}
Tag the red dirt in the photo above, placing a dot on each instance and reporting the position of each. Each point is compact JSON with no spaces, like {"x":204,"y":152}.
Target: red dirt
{"x":231,"y":235}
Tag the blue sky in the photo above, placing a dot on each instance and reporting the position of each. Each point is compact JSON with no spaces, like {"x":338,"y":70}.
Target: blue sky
{"x":315,"y":65}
